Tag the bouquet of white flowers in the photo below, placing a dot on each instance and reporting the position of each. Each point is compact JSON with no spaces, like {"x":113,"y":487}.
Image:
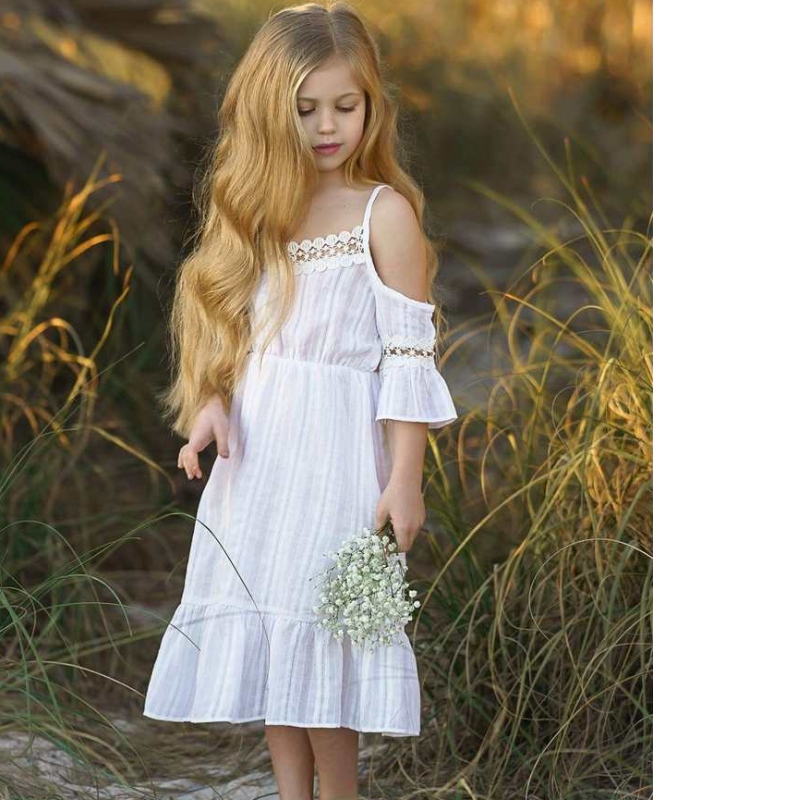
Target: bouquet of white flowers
{"x":365,"y":592}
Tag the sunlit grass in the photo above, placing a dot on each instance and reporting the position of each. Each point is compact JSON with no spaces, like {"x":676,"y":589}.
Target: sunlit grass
{"x":59,"y":615}
{"x":535,"y":634}
{"x":582,"y":70}
{"x":534,"y":640}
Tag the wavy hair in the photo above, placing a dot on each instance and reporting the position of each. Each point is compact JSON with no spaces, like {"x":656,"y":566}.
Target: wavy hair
{"x":256,"y":189}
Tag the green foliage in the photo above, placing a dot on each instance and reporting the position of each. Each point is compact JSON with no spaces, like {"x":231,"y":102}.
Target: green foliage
{"x":535,"y":633}
{"x":534,"y":640}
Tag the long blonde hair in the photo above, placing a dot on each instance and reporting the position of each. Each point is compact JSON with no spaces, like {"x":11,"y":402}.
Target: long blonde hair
{"x":258,"y":187}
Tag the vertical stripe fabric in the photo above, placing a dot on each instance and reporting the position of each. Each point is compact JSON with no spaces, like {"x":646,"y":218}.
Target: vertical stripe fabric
{"x":308,"y":462}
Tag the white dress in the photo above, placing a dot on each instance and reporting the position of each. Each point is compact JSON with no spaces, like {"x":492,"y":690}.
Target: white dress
{"x":308,"y":461}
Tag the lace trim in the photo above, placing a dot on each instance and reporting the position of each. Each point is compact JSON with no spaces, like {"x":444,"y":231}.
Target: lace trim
{"x":329,"y":252}
{"x":332,"y":262}
{"x":402,"y":350}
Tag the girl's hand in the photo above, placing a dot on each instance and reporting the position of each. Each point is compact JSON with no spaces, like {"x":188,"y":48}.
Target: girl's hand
{"x":211,"y":425}
{"x":402,"y":502}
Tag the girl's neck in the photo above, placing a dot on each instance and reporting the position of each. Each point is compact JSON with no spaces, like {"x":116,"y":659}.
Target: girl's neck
{"x":336,"y":192}
{"x":332,"y":209}
{"x":330,"y":182}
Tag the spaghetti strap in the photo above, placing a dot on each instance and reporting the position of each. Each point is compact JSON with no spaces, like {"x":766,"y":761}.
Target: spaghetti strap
{"x":370,"y":264}
{"x":368,"y":212}
{"x":353,"y":352}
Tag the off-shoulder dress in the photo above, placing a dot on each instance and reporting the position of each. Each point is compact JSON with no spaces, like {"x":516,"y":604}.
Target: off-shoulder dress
{"x":308,"y":461}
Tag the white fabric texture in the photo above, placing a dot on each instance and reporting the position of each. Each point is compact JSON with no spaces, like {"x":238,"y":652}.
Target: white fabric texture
{"x":309,"y":459}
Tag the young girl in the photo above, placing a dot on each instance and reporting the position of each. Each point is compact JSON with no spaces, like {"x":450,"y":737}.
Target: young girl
{"x":303,"y":345}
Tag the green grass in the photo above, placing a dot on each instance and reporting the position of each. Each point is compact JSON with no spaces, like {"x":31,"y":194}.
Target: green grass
{"x":535,"y":636}
{"x":534,"y":640}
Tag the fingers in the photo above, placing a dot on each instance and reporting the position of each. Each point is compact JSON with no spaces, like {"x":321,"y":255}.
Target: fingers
{"x":188,"y":461}
{"x":405,"y":539}
{"x":188,"y":457}
{"x":405,"y":534}
{"x":381,"y":517}
{"x":210,"y":427}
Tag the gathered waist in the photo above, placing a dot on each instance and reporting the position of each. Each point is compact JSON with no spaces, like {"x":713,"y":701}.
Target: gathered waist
{"x":308,"y":363}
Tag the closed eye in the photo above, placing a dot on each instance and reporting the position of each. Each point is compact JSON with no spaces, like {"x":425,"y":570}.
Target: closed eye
{"x":307,"y":111}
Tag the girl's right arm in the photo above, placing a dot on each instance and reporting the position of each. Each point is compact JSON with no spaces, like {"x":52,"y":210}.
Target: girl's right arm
{"x":210,"y":425}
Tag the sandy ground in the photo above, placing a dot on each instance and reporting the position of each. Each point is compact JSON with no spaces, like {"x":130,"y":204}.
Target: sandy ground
{"x":28,"y":763}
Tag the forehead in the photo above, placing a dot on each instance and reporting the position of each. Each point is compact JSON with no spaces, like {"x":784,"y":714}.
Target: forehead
{"x":331,"y":80}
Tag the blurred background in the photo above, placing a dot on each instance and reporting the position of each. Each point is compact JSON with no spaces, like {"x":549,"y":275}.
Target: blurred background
{"x":528,"y":123}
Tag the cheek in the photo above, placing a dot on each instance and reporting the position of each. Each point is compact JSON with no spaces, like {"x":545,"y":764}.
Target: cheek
{"x":358,"y":122}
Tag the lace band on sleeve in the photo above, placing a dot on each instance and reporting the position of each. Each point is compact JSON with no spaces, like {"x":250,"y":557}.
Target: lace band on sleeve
{"x":403,"y":350}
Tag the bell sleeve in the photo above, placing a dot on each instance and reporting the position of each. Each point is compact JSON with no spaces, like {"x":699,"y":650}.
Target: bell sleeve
{"x":411,"y":387}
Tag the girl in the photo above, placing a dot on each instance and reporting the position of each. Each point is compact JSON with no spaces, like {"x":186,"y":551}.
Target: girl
{"x":303,"y":346}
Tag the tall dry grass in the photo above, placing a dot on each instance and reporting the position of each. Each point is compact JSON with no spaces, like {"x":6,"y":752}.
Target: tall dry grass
{"x":535,"y":633}
{"x":534,"y":640}
{"x":58,"y":634}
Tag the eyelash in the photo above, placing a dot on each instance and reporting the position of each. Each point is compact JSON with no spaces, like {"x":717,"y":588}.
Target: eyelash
{"x":308,"y":111}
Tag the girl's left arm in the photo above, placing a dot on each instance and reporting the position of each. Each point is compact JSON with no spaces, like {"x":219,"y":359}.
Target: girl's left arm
{"x":399,"y":254}
{"x":402,"y":499}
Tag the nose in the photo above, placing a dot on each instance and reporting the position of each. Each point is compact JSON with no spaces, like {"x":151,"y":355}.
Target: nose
{"x":326,"y":124}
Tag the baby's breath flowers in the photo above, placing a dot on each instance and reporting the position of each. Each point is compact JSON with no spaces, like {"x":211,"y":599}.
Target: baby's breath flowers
{"x":365,"y":593}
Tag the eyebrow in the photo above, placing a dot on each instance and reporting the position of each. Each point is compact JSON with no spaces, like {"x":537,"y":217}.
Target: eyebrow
{"x":312,"y":99}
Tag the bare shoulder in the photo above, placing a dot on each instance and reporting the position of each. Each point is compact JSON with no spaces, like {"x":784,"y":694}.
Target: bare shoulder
{"x":397,"y":245}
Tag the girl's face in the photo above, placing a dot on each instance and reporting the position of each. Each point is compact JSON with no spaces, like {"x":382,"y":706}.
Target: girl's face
{"x":332,"y":108}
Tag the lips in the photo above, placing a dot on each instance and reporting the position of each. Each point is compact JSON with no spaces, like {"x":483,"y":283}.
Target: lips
{"x":327,"y":148}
